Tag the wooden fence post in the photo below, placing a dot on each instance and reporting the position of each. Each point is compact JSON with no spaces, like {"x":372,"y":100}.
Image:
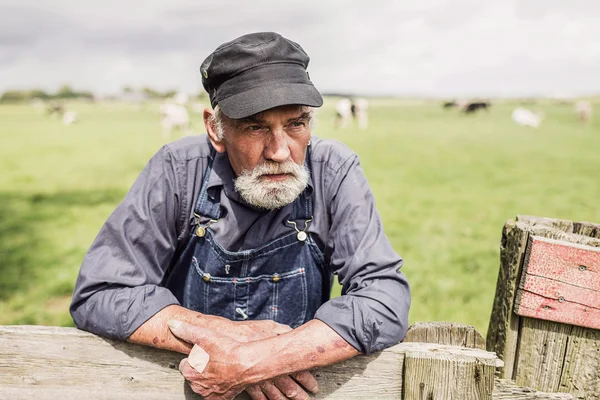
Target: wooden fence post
{"x":532,"y":328}
{"x":438,"y":374}
{"x":449,"y":333}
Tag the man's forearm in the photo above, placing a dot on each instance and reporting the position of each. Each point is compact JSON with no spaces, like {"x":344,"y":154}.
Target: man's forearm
{"x":314,"y":344}
{"x":155,"y":332}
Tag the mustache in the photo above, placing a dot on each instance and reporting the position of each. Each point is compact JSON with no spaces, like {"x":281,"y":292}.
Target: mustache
{"x":274,"y":168}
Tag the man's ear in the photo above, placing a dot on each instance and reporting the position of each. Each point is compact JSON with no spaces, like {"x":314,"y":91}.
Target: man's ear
{"x":217,"y":142}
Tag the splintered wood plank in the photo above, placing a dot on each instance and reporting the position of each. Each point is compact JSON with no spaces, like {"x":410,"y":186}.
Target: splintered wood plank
{"x":502,"y":333}
{"x":443,"y":375}
{"x":542,"y":347}
{"x":450,"y":333}
{"x":587,"y":229}
{"x":560,"y":282}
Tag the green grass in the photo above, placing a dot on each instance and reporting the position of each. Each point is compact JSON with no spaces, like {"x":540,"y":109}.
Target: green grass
{"x":445,"y":184}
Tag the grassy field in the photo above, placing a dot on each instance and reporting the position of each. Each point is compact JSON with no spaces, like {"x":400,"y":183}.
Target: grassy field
{"x":445,"y":184}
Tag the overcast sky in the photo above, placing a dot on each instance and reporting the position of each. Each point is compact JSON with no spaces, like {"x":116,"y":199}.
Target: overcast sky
{"x":427,"y":47}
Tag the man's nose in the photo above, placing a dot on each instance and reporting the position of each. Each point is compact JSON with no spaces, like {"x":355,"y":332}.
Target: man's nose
{"x":277,"y":148}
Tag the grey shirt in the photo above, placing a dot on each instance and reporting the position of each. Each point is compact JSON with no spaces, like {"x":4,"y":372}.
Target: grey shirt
{"x":120,"y":284}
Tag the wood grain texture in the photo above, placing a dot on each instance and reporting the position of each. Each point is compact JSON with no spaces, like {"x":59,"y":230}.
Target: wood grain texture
{"x":540,"y":305}
{"x":60,"y":363}
{"x":450,"y":333}
{"x":581,"y":369}
{"x":503,"y":328}
{"x":557,"y":357}
{"x":446,"y":375}
{"x":560,"y":282}
{"x":587,"y":229}
{"x":542,"y":347}
{"x":505,"y":389}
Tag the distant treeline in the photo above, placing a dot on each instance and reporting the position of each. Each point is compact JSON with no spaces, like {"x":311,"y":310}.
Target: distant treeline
{"x":64,"y":93}
{"x":67,"y":93}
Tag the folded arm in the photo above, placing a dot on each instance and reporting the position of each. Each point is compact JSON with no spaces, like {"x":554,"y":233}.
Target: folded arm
{"x":233,"y":365}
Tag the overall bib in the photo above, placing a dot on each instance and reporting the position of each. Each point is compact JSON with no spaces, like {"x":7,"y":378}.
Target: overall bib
{"x":283,"y":280}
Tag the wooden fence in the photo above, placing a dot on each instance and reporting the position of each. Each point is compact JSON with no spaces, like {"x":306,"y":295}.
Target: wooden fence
{"x":65,"y":363}
{"x":544,"y":327}
{"x":546,"y":312}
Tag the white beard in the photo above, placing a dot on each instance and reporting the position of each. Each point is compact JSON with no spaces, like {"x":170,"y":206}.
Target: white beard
{"x":264,"y":193}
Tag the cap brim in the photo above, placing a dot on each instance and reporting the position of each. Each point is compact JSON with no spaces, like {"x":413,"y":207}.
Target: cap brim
{"x":262,"y":98}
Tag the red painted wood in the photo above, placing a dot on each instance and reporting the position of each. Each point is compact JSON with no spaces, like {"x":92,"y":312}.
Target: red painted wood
{"x":562,"y":261}
{"x":561,"y":283}
{"x":554,"y":290}
{"x":536,"y":306}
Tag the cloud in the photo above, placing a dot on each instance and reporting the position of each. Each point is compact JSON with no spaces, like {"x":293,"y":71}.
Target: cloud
{"x":431,"y":47}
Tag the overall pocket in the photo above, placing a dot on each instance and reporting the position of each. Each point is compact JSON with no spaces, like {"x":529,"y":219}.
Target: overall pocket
{"x":281,"y":297}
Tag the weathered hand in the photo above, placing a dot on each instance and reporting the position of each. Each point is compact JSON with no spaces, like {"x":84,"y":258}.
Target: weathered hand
{"x":222,"y":377}
{"x":199,"y":386}
{"x":284,"y":387}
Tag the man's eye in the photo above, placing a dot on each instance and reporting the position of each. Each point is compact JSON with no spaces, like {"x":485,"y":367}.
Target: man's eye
{"x":254,"y":128}
{"x":298,"y":124}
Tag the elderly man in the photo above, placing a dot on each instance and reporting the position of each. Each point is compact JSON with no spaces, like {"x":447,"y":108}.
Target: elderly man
{"x":229,"y":241}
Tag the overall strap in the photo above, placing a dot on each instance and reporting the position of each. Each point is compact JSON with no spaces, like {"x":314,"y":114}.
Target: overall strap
{"x":303,"y":205}
{"x":206,"y":205}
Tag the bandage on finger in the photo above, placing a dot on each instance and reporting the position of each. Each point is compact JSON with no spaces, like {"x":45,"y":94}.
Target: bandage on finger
{"x":198,"y":358}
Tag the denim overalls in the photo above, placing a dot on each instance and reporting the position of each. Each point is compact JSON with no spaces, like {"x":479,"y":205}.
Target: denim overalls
{"x":282,"y":280}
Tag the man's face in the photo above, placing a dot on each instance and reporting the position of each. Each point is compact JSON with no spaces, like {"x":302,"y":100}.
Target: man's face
{"x":267,"y":152}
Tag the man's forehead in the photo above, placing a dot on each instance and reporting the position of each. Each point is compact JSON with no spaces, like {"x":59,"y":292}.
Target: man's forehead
{"x":287,"y":111}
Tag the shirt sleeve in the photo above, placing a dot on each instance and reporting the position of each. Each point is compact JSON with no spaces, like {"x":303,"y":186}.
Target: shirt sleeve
{"x":372,"y":312}
{"x":117,"y":289}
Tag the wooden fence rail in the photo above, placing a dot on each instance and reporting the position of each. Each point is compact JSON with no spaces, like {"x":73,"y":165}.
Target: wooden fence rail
{"x":66,"y":363}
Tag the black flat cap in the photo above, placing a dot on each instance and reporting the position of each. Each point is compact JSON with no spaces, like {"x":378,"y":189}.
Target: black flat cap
{"x":256,"y":72}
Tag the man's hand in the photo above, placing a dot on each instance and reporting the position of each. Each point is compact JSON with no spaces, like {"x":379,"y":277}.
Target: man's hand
{"x":283,"y":387}
{"x":223,"y":375}
{"x":220,"y":377}
{"x":155,"y":333}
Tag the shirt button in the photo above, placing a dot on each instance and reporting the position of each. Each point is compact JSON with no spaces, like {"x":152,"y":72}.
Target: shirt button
{"x":276,"y":278}
{"x":206,"y":277}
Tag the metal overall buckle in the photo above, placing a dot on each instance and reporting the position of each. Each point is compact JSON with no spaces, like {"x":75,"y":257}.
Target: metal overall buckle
{"x":201,"y":229}
{"x":301,"y":235}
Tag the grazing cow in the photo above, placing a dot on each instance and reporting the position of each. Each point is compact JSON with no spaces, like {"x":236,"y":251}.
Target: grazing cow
{"x":69,"y":117}
{"x":449,"y":104}
{"x":343,"y":113}
{"x":584,"y":111}
{"x":361,"y":107}
{"x":472,"y":107}
{"x":55,"y":107}
{"x":525,"y":117}
{"x":174,"y":116}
